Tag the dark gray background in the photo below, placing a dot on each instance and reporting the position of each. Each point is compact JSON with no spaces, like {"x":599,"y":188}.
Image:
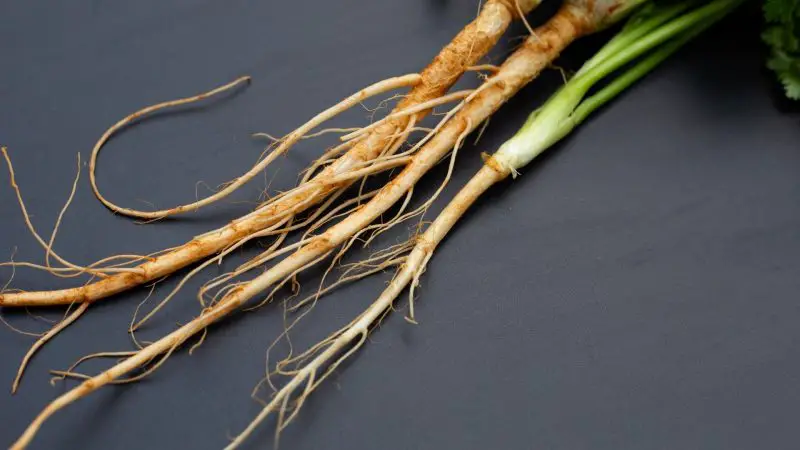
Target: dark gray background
{"x":637,"y":288}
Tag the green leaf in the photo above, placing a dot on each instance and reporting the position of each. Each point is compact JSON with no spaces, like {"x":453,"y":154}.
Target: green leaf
{"x":791,"y":82}
{"x":783,"y":38}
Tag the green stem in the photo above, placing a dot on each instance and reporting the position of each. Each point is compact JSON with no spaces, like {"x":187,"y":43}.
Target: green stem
{"x":643,"y":22}
{"x":641,"y":69}
{"x":654,"y":38}
{"x":663,"y":32}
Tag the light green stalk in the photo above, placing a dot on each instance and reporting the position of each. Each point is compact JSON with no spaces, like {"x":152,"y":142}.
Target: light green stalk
{"x":650,"y":36}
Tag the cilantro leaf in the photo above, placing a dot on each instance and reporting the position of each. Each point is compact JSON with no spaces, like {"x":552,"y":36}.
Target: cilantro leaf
{"x":782,"y":35}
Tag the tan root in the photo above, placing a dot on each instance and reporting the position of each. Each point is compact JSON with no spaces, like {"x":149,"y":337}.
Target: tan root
{"x":464,"y":51}
{"x":472,"y":43}
{"x":331,"y":352}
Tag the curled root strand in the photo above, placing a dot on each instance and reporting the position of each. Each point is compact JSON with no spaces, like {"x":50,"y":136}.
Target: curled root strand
{"x":285,"y":143}
{"x":132,"y":118}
